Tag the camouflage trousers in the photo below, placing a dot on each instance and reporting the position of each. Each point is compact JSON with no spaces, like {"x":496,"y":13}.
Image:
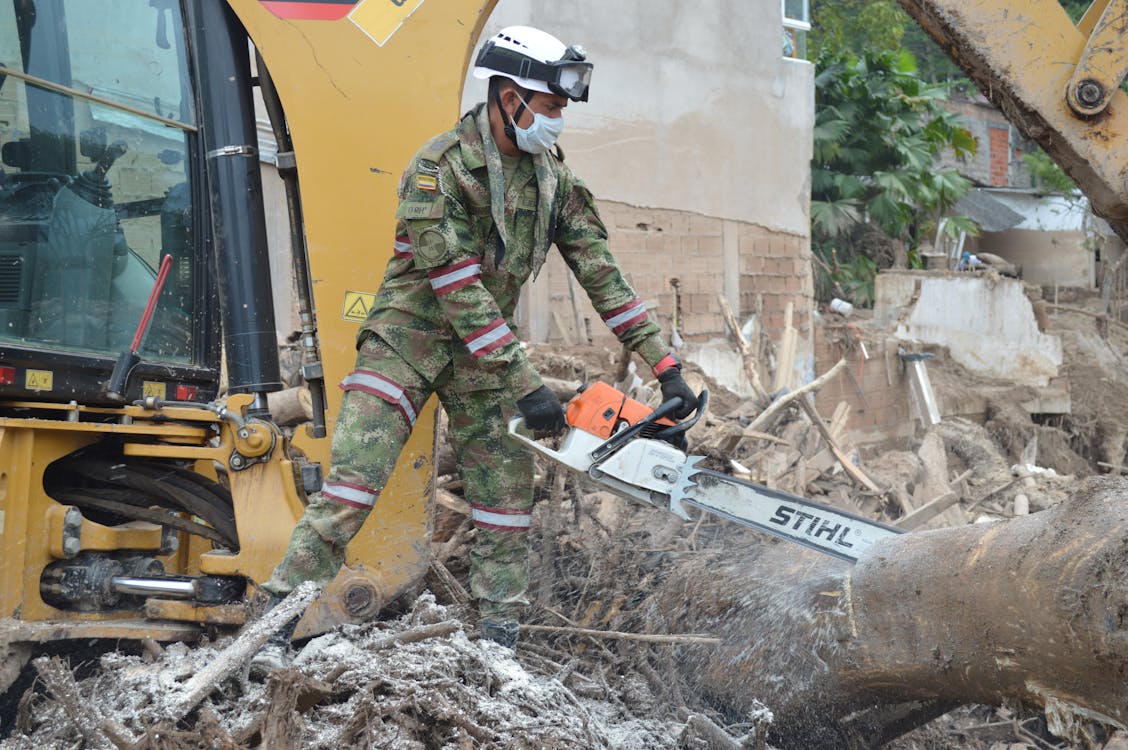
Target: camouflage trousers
{"x":377,"y":415}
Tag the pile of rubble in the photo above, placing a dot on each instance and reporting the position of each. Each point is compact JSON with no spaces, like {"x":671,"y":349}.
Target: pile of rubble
{"x":588,"y":672}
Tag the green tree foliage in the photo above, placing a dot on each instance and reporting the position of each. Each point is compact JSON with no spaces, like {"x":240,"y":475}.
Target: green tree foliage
{"x":1047,"y":175}
{"x":1076,"y":8}
{"x":839,"y":26}
{"x":878,"y":132}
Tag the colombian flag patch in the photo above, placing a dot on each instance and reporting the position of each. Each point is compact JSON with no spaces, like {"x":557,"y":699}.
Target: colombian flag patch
{"x":426,"y":182}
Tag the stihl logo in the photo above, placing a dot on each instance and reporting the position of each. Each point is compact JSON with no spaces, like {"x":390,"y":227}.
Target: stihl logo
{"x":811,"y":525}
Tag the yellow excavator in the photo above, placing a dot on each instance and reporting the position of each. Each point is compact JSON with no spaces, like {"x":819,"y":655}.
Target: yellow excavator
{"x":145,"y":489}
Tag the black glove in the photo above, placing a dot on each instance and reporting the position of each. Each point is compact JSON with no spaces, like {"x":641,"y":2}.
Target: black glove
{"x":674,"y":385}
{"x":542,"y":411}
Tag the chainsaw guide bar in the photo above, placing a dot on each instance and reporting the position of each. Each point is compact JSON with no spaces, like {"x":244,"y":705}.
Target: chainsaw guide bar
{"x":611,"y":439}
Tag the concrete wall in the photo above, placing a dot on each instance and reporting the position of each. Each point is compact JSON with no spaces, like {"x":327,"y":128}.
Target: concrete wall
{"x":987,"y":323}
{"x":1046,"y":258}
{"x":1051,"y":244}
{"x":697,"y":142}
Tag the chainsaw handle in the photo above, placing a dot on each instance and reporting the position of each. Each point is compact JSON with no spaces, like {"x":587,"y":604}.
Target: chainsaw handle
{"x":668,"y":432}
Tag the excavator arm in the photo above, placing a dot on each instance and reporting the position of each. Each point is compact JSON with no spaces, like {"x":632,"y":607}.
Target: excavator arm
{"x":1057,"y":82}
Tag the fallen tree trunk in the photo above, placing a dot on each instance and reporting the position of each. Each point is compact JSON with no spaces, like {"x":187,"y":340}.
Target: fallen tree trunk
{"x":1031,"y":609}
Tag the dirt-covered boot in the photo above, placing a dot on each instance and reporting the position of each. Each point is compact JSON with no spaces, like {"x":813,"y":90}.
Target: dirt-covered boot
{"x":502,"y":632}
{"x":276,"y":653}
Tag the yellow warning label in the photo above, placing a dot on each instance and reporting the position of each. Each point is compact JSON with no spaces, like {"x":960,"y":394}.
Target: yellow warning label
{"x":357,"y":305}
{"x":39,"y":380}
{"x":380,"y":19}
{"x":153,"y":389}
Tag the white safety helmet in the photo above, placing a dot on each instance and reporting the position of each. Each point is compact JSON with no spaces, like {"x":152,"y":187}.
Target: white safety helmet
{"x":537,"y":61}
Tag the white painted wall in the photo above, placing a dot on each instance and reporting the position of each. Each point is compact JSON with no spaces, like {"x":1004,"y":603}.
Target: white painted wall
{"x":693,"y":106}
{"x":987,"y":323}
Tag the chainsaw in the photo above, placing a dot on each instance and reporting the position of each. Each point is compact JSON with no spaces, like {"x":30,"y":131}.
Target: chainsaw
{"x":639,"y":453}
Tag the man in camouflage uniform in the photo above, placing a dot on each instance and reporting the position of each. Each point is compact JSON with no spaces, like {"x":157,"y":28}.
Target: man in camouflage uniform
{"x":479,"y":207}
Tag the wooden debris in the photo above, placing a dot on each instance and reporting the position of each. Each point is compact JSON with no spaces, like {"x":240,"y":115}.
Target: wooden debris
{"x":620,"y":636}
{"x":443,"y":581}
{"x":751,"y":367}
{"x":1114,"y":467}
{"x":289,"y":694}
{"x":291,"y":406}
{"x":767,"y":416}
{"x":623,"y":369}
{"x":596,"y":572}
{"x":854,"y":471}
{"x":419,"y":633}
{"x":241,"y":650}
{"x":934,"y":483}
{"x":563,"y":389}
{"x":837,"y":426}
{"x":452,"y":502}
{"x":961,"y":601}
{"x":60,"y":684}
{"x":932,"y":508}
{"x":788,"y":346}
{"x":700,"y":728}
{"x":757,"y":435}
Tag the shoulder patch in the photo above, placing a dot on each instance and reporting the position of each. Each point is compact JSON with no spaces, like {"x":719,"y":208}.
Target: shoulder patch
{"x":430,"y":247}
{"x":438,"y":146}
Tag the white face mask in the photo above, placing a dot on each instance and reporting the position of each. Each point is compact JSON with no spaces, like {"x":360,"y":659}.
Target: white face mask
{"x":541,"y":135}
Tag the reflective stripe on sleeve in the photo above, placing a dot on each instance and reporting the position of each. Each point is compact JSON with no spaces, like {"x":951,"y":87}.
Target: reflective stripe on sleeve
{"x":353,"y":495}
{"x":665,"y":364}
{"x":490,"y":338}
{"x":447,"y":279}
{"x":500,"y":519}
{"x":403,"y":248}
{"x":622,"y":318}
{"x":381,"y":387}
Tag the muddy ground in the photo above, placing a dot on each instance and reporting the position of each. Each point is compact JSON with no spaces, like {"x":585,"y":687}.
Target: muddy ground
{"x":588,"y":672}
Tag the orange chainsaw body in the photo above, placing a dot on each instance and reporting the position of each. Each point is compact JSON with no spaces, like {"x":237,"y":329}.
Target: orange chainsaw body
{"x":602,"y":410}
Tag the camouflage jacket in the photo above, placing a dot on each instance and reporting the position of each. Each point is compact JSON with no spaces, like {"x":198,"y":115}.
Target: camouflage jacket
{"x":466,"y":243}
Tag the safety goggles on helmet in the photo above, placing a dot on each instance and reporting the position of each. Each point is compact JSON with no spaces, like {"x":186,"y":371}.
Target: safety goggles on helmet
{"x":569,"y":76}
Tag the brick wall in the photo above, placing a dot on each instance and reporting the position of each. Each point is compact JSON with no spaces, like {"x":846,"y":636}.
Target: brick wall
{"x":998,"y":160}
{"x":999,"y":149}
{"x":753,"y":267}
{"x":875,"y":387}
{"x":776,"y":269}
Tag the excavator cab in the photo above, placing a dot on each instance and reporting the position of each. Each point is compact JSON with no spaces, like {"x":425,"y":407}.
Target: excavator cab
{"x":99,"y":180}
{"x":130,"y":183}
{"x":111,"y":497}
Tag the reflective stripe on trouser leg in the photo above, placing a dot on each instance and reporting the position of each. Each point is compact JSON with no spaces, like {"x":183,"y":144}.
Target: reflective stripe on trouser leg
{"x":372,"y":426}
{"x":497,"y":479}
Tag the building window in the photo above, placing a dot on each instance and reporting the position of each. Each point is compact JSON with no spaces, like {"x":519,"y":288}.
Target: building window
{"x":796,"y":24}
